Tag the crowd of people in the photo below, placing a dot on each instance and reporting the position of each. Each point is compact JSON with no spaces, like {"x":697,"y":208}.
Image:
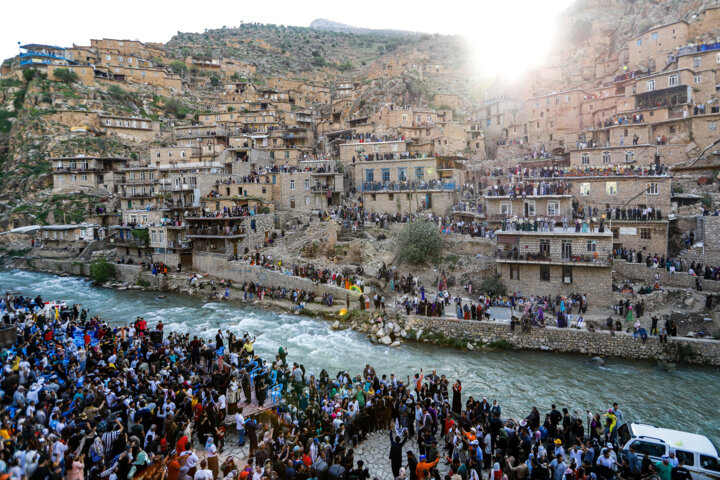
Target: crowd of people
{"x":519,"y":173}
{"x":671,"y":265}
{"x":84,"y":399}
{"x":527,"y":189}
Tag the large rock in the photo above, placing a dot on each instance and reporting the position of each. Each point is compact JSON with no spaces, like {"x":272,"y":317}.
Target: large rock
{"x":419,"y":334}
{"x":403,"y":333}
{"x":380,"y":333}
{"x":396,"y":343}
{"x":386,"y":340}
{"x":689,"y":301}
{"x":335,"y":325}
{"x":597,"y":361}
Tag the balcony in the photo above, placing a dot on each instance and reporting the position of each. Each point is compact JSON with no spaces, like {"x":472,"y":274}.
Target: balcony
{"x":37,"y":53}
{"x":545,"y":258}
{"x":201,"y":132}
{"x":80,"y":169}
{"x":217,"y":231}
{"x":407,"y":186}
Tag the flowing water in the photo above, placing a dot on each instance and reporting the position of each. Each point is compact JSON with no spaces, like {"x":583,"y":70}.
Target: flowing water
{"x":686,"y":398}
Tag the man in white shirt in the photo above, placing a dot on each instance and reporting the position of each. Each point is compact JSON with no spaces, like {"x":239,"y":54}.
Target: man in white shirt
{"x":240,"y":427}
{"x":203,"y":473}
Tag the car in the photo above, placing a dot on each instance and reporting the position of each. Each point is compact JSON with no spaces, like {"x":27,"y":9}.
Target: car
{"x":697,"y":451}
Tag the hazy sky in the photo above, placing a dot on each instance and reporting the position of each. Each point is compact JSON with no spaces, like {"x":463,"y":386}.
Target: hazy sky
{"x":503,"y":31}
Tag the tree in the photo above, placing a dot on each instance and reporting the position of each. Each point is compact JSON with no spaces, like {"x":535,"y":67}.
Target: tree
{"x":29,"y":74}
{"x":345,"y":66}
{"x":65,"y":75}
{"x":178,"y":67}
{"x":419,"y":242}
{"x":493,"y":286}
{"x":101,"y":270}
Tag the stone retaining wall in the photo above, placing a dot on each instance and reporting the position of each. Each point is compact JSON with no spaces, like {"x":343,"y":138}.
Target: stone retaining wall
{"x":641,"y":273}
{"x":240,"y":272}
{"x":599,"y":343}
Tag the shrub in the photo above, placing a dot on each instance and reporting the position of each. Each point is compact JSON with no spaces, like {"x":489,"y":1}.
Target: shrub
{"x":29,"y":74}
{"x":500,"y":345}
{"x":175,"y":107}
{"x":178,"y":67}
{"x":419,"y":242}
{"x":493,"y":285}
{"x":65,"y":75}
{"x":706,"y":200}
{"x":101,"y":270}
{"x":345,"y":66}
{"x":142,"y":236}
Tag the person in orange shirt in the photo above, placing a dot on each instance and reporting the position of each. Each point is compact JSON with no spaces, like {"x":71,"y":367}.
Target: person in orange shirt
{"x":424,"y":466}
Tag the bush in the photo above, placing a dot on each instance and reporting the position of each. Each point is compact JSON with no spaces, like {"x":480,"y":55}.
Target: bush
{"x":706,"y":200}
{"x":345,"y":66}
{"x":65,"y":75}
{"x":101,"y":270}
{"x":142,"y":236}
{"x":419,"y":242}
{"x":175,"y":107}
{"x":178,"y":67}
{"x":493,"y":285}
{"x":29,"y":74}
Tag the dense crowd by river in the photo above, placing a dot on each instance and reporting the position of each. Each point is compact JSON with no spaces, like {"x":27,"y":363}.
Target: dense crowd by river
{"x":82,"y":399}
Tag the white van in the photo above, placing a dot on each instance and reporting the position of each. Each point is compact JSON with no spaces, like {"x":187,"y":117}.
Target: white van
{"x":697,"y":451}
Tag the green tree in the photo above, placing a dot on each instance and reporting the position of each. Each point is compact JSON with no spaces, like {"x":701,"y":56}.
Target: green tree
{"x":178,"y":67}
{"x":65,"y":75}
{"x":493,"y":285}
{"x":345,"y":66}
{"x":29,"y":74}
{"x":101,"y":270}
{"x":419,"y":242}
{"x":215,"y":80}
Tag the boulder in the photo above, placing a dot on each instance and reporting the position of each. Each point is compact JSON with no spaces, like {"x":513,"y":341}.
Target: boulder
{"x":419,"y":334}
{"x":380,"y":333}
{"x":469,"y":346}
{"x":597,"y":361}
{"x":689,"y":301}
{"x":386,"y":340}
{"x":403,"y":333}
{"x":396,"y":343}
{"x":335,"y":325}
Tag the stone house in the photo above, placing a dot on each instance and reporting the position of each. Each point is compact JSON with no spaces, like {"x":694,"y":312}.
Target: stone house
{"x":85,"y":173}
{"x":556,"y":263}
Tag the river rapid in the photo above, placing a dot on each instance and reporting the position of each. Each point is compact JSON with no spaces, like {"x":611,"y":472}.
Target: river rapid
{"x":685,"y":398}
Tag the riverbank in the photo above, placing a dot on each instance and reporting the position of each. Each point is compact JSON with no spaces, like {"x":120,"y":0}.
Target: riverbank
{"x":399,"y":328}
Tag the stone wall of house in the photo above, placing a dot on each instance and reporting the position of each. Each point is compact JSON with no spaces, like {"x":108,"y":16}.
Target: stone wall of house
{"x":638,"y":272}
{"x":712,"y":240}
{"x":594,"y":282}
{"x":568,"y":340}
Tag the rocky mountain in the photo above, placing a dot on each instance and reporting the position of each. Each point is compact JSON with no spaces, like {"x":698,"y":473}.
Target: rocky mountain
{"x":329,"y":25}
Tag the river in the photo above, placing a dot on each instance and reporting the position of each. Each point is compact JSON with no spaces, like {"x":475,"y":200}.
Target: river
{"x":685,"y":398}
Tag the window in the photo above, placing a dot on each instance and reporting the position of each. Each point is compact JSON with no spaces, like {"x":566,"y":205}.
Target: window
{"x":292,"y":202}
{"x":419,"y":173}
{"x":584,"y":189}
{"x":697,"y":62}
{"x":709,"y":463}
{"x":616,"y":232}
{"x":653,"y":188}
{"x":610,"y":188}
{"x":606,"y":156}
{"x":506,"y":208}
{"x":369,"y":175}
{"x":687,"y":457}
{"x":529,"y":209}
{"x":567,"y":274}
{"x":544,"y":273}
{"x":553,"y":209}
{"x":673,"y":80}
{"x":629,"y":156}
{"x":592,"y":246}
{"x":402,"y":174}
{"x":652,"y":449}
{"x":385,"y":174}
{"x":307,"y":200}
{"x":712,"y":126}
{"x":292,"y":184}
{"x":544,"y":248}
{"x":307,"y":184}
{"x":697,"y":79}
{"x":154,"y":236}
{"x":650,"y":85}
{"x":514,"y":272}
{"x":566,"y":249}
{"x":567,"y":98}
{"x":655,"y":36}
{"x":645,"y":233}
{"x":585,"y":159}
{"x":639,"y":42}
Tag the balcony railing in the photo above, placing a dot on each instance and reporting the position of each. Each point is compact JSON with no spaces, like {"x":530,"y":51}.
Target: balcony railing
{"x":407,"y":186}
{"x":216,"y":231}
{"x":35,"y":53}
{"x":598,"y":258}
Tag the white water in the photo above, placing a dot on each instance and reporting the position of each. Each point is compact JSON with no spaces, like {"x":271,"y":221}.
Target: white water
{"x":686,"y":398}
